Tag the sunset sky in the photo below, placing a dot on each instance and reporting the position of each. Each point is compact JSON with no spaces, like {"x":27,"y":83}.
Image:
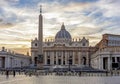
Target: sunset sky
{"x":89,"y":18}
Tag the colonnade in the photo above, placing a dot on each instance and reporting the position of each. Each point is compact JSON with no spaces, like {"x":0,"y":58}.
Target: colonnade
{"x":63,"y":58}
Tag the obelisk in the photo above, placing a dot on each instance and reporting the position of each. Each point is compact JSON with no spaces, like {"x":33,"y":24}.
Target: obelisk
{"x":40,"y":40}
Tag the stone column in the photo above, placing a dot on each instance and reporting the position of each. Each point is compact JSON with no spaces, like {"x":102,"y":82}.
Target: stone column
{"x":62,"y":58}
{"x":7,"y":62}
{"x":33,"y":57}
{"x":45,"y":59}
{"x":109,"y":63}
{"x":56,"y":58}
{"x":79,"y":58}
{"x":1,"y":62}
{"x":115,"y":59}
{"x":73,"y":58}
{"x":101,"y":63}
{"x":50,"y":54}
{"x":52,"y":58}
{"x":66,"y":59}
{"x":87,"y":58}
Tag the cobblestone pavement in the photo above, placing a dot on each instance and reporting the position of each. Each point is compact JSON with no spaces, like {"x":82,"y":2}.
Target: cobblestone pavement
{"x":52,"y":79}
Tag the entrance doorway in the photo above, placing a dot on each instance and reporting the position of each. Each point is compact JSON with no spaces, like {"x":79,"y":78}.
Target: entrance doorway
{"x":84,"y":60}
{"x":48,"y":61}
{"x":3,"y":62}
{"x":105,"y":63}
{"x":59,"y":61}
{"x":35,"y":60}
{"x":70,"y":61}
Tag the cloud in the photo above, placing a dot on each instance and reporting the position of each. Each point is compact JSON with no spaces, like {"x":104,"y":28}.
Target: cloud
{"x":17,"y":48}
{"x":22,"y":50}
{"x":1,"y":20}
{"x":89,"y":18}
{"x":12,"y":0}
{"x":6,"y":25}
{"x":68,"y":1}
{"x":110,"y":7}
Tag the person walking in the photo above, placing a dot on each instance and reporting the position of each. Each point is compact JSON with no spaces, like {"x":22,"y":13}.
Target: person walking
{"x":14,"y":73}
{"x":7,"y":73}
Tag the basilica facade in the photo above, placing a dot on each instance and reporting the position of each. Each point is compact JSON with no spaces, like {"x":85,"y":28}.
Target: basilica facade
{"x":64,"y":50}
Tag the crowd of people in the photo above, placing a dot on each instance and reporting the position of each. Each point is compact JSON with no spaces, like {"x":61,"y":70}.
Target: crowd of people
{"x":45,"y":73}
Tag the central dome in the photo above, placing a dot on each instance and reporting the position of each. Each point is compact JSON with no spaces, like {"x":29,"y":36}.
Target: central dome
{"x":63,"y":35}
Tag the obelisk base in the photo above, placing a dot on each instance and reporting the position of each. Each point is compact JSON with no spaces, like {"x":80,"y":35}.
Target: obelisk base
{"x":40,"y":62}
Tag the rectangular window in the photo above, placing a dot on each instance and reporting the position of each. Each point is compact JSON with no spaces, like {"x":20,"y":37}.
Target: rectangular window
{"x":48,"y":61}
{"x":113,"y":59}
{"x":118,"y":59}
{"x":54,"y":62}
{"x":63,"y":62}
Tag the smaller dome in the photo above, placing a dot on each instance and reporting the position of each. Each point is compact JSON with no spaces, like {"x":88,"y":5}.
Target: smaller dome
{"x":63,"y":35}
